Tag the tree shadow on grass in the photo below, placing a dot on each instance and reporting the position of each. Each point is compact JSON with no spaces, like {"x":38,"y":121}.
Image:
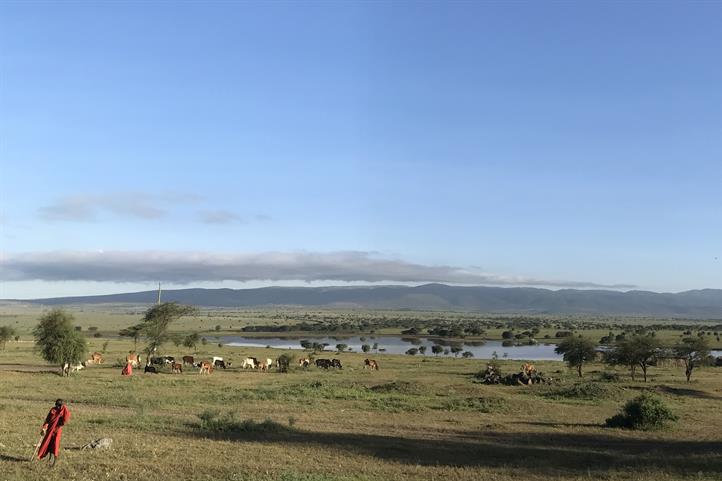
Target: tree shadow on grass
{"x":558,"y":453}
{"x":679,"y":391}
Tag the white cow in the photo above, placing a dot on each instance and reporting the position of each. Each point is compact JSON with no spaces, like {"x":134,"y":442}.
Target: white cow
{"x":68,"y":368}
{"x":250,"y":362}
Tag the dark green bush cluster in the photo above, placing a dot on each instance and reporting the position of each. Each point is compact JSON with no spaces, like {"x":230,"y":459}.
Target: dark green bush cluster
{"x":645,"y":412}
{"x":609,"y":376}
{"x":583,"y":390}
{"x":214,"y":422}
{"x":479,"y":404}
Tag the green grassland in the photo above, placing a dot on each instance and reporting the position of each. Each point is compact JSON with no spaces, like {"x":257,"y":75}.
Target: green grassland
{"x":109,"y":319}
{"x":416,"y":418}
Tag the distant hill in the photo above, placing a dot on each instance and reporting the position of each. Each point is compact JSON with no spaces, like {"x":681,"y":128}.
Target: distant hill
{"x":706,"y":303}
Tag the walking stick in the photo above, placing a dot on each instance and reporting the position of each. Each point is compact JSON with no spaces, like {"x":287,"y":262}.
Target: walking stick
{"x":37,"y":448}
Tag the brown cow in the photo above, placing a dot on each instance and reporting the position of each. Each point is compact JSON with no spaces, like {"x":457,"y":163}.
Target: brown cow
{"x":176,"y":368}
{"x":95,"y":358}
{"x":206,"y":368}
{"x":188,"y":360}
{"x":133,"y":359}
{"x":371,"y":364}
{"x":305,"y":362}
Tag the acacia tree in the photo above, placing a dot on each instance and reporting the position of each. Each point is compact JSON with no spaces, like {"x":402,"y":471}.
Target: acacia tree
{"x":156,"y":321}
{"x":693,"y":351}
{"x":57,"y":339}
{"x":6,"y":333}
{"x":636,"y":351}
{"x":133,"y":332}
{"x":577,"y":351}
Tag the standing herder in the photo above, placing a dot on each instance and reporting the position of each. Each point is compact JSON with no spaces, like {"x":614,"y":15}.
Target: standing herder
{"x":53,"y":431}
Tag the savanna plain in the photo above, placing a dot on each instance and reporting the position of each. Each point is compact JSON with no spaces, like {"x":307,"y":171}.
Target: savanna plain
{"x":416,"y":418}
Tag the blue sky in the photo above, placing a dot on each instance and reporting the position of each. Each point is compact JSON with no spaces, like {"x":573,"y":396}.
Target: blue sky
{"x":244,"y":144}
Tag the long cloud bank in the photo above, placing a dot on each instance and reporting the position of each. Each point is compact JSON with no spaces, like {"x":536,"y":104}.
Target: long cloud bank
{"x":188,"y":267}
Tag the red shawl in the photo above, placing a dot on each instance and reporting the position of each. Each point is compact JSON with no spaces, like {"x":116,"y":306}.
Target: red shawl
{"x":127,"y":370}
{"x":54,"y":423}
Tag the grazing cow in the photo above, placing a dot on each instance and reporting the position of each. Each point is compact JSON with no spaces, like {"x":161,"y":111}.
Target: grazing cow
{"x":220,"y":363}
{"x":324,"y":363}
{"x":206,"y":368}
{"x":371,"y":364}
{"x":95,"y":358}
{"x":176,"y":368}
{"x":188,"y":360}
{"x":250,"y":362}
{"x":263,"y":366}
{"x":336,"y":363}
{"x":68,"y":368}
{"x":150,"y":369}
{"x":305,"y":362}
{"x":133,"y":359}
{"x":158,"y":361}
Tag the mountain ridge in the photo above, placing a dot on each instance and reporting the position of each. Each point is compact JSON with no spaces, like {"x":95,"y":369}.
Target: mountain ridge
{"x":698,"y":303}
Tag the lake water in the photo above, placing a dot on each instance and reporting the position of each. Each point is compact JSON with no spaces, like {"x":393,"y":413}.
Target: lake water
{"x":399,"y":345}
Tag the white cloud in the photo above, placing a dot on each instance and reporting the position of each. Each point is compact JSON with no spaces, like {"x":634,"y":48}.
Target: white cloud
{"x":91,"y":207}
{"x":188,"y":267}
{"x":218,"y":217}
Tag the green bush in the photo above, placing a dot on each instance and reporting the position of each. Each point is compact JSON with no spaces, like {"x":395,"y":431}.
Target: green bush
{"x":214,"y":422}
{"x":583,"y":390}
{"x":478,"y":404}
{"x":645,"y":412}
{"x":609,"y":376}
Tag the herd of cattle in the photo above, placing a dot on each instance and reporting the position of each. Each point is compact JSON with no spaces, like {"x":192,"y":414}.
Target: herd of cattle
{"x":207,"y":366}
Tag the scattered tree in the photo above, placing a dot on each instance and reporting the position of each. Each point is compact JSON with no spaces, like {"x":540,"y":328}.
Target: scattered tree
{"x":6,"y":333}
{"x":576,"y":351}
{"x":422,"y":350}
{"x":693,"y":351}
{"x":133,"y":332}
{"x":437,"y":349}
{"x":413,"y":351}
{"x":341,"y":347}
{"x":467,"y":354}
{"x":156,"y":321}
{"x":57,"y":339}
{"x":636,"y":351}
{"x":365,"y":347}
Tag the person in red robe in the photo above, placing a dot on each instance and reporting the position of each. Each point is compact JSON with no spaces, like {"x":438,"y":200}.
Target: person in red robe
{"x":127,"y":370}
{"x":52,"y":432}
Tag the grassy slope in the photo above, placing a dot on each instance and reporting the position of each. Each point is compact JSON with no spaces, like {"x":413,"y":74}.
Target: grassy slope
{"x":410,"y":420}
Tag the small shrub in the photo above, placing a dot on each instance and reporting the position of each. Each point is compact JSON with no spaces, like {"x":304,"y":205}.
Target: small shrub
{"x":402,"y":387}
{"x":583,"y":390}
{"x":478,"y":404}
{"x":215,"y":422}
{"x":609,"y":376}
{"x":645,"y":412}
